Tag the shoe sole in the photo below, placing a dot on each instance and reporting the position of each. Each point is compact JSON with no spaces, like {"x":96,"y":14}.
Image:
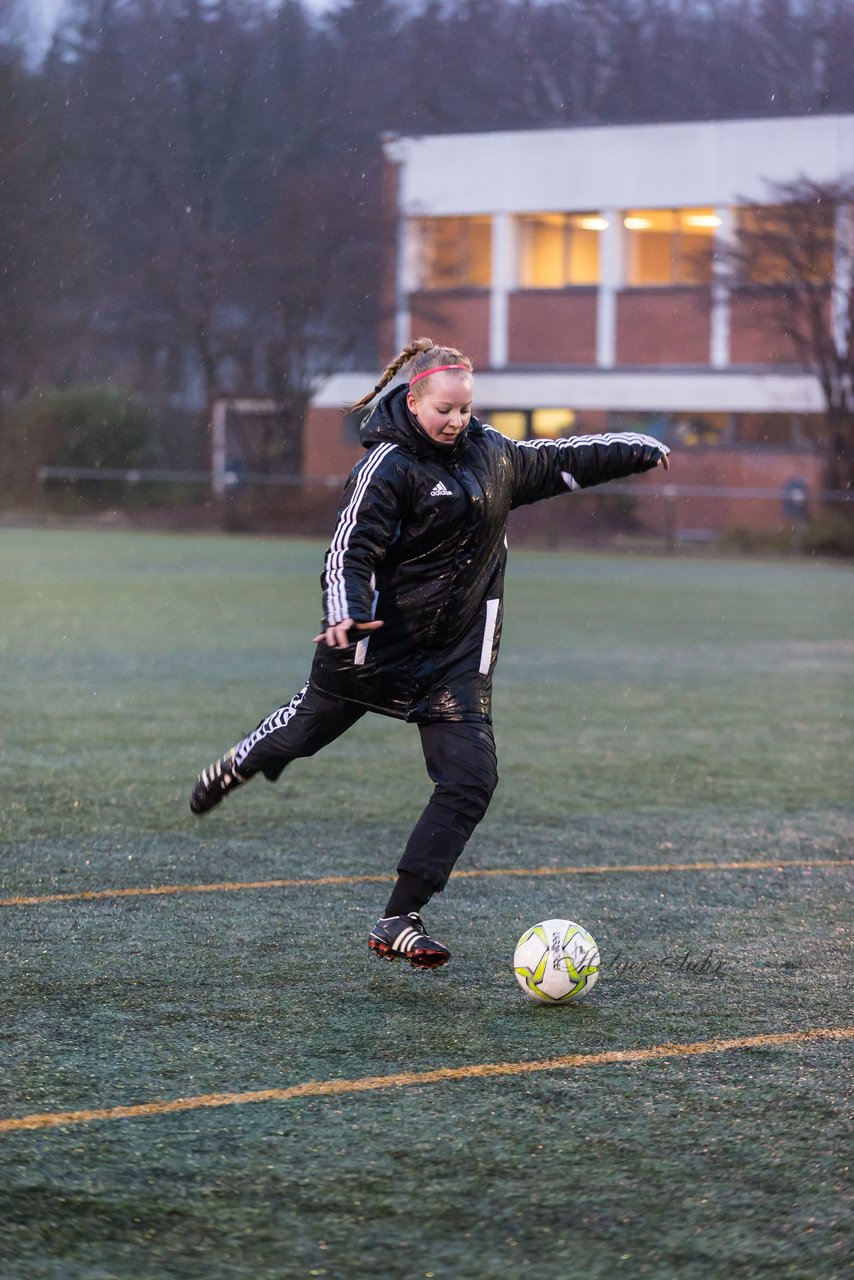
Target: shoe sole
{"x":419,"y":959}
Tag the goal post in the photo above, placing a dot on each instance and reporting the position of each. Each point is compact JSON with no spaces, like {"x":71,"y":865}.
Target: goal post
{"x":221,"y":474}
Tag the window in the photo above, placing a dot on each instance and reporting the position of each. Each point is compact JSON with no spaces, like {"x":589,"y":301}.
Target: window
{"x":509,"y":422}
{"x":453,"y":252}
{"x":688,"y":429}
{"x":552,"y":423}
{"x":785,"y":242}
{"x":811,"y":428}
{"x":691,"y":430}
{"x":669,"y":246}
{"x":773,"y":430}
{"x":528,"y":424}
{"x":559,"y":249}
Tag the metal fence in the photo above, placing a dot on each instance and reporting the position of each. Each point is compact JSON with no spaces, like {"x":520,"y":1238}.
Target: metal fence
{"x":793,"y":494}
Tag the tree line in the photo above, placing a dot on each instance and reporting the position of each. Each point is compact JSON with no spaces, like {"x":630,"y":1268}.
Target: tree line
{"x":191,"y":194}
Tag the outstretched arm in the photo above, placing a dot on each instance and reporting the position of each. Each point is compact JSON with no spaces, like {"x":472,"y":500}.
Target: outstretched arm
{"x":589,"y":460}
{"x":544,"y":468}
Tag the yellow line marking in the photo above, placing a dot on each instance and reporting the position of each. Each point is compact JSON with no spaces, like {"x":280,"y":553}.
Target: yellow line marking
{"x":439,"y":1075}
{"x":225,"y":886}
{"x":231,"y":886}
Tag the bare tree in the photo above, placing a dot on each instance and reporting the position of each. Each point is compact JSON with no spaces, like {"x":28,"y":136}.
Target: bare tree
{"x":799,"y":247}
{"x":40,"y":241}
{"x":164,"y":88}
{"x":233,"y":217}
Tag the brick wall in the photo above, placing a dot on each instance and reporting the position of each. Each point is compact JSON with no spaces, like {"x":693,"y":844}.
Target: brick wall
{"x":727,"y":469}
{"x":326,"y":451}
{"x":458,"y":318}
{"x":757,"y":329}
{"x":553,"y":327}
{"x":663,"y":326}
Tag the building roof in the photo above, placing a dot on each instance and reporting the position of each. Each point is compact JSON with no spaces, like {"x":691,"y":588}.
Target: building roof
{"x":719,"y":162}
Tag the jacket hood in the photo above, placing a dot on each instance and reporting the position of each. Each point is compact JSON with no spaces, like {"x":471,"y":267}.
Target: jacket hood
{"x":391,"y":421}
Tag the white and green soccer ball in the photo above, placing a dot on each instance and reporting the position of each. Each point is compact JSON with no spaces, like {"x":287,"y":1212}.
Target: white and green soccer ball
{"x":556,"y":961}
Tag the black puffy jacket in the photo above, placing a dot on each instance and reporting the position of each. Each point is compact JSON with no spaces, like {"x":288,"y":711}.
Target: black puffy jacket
{"x":420,"y":543}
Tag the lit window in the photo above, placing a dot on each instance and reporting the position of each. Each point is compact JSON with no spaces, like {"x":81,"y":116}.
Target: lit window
{"x":687,"y":430}
{"x":509,"y":422}
{"x":669,"y":246}
{"x":691,"y":430}
{"x":454,"y":252}
{"x":786,"y":242}
{"x":552,"y":423}
{"x":527,"y":424}
{"x":559,"y":249}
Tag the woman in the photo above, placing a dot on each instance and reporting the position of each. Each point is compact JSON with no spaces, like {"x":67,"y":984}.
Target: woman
{"x":412,"y":588}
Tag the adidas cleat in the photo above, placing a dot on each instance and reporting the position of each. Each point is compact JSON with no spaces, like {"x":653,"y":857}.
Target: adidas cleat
{"x":214,"y":783}
{"x":404,"y":938}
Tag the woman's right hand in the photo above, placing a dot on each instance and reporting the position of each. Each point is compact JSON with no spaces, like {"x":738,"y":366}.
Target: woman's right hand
{"x":338,"y":637}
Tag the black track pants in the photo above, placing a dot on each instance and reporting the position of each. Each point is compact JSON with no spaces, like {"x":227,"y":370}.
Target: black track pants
{"x":304,"y":726}
{"x":460,"y":760}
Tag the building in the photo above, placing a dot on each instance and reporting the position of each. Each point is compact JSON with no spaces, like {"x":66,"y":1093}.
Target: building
{"x":582,"y":269}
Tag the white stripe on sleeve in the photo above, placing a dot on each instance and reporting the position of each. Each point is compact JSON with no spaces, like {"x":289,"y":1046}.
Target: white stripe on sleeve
{"x":337,"y":606}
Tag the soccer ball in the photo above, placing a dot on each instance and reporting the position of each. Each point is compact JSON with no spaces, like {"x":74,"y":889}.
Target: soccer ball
{"x":556,"y":961}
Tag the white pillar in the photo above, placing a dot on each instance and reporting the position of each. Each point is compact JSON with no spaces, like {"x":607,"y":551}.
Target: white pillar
{"x":503,"y":279}
{"x":610,"y":280}
{"x":843,"y":278}
{"x":719,"y":337}
{"x":407,"y":279}
{"x":219,"y":409}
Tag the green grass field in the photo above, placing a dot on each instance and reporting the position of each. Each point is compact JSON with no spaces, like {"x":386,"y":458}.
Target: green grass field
{"x":675,"y":747}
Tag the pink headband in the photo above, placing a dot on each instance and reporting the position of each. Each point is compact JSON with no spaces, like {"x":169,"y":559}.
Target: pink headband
{"x":438,"y":369}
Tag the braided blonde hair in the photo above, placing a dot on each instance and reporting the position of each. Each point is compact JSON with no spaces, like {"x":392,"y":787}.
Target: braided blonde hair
{"x":421,"y":354}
